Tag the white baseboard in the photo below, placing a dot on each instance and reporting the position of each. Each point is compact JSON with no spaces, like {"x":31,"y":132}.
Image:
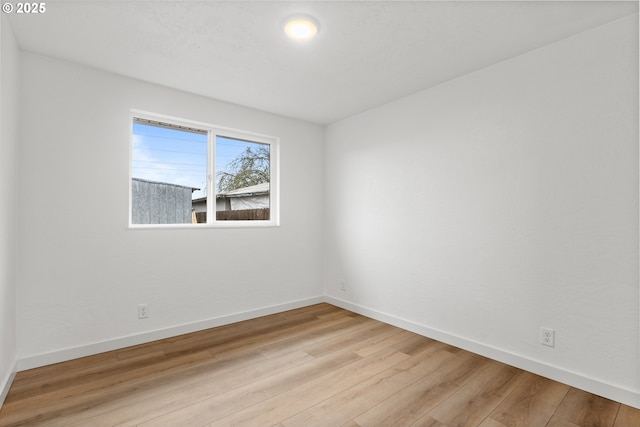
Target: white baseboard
{"x":618,"y":394}
{"x":6,"y":384}
{"x":122,"y":342}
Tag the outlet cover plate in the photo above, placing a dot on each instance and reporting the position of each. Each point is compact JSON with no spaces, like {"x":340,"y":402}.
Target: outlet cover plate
{"x":547,"y":337}
{"x":143,"y":311}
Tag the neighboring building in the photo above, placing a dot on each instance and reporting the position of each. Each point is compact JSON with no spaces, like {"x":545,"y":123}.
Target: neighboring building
{"x":154,"y":202}
{"x":253,"y":197}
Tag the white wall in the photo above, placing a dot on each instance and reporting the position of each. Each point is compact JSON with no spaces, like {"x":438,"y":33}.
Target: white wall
{"x":9,"y":84}
{"x":497,"y":203}
{"x":82,"y":272}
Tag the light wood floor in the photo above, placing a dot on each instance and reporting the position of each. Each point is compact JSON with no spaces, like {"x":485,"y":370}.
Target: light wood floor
{"x":316,"y":366}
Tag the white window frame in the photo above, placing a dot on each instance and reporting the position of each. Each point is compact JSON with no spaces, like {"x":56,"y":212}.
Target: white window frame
{"x":213,"y":131}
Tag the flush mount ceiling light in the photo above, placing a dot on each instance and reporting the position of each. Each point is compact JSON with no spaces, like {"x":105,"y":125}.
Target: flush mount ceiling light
{"x":300,"y":27}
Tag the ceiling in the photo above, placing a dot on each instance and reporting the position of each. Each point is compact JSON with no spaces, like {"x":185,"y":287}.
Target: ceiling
{"x":366,"y":53}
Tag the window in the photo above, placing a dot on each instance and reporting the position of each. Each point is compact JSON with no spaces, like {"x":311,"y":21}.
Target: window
{"x":188,"y":174}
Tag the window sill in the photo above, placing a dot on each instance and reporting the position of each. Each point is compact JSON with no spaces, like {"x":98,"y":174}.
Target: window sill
{"x":219,"y":225}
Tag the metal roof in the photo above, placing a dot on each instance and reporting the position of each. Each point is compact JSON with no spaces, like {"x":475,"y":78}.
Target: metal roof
{"x":166,"y":183}
{"x":245,"y":191}
{"x":252,"y":190}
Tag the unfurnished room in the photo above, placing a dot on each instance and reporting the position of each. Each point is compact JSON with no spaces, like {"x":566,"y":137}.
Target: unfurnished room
{"x":319,"y":213}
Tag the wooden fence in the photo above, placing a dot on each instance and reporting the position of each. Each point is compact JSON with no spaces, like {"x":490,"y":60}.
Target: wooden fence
{"x":241,"y":215}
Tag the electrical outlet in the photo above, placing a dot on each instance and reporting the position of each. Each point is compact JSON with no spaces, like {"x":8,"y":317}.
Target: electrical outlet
{"x":143,"y":311}
{"x":547,"y":337}
{"x":343,"y":285}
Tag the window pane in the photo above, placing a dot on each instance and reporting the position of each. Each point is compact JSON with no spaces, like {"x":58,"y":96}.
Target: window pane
{"x":243,"y":178}
{"x":169,"y":173}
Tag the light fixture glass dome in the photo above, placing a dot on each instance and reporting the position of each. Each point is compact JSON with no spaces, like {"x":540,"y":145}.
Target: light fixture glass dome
{"x":301,"y":27}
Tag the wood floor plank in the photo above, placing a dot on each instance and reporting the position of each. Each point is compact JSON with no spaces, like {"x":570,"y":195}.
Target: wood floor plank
{"x":627,"y":416}
{"x":388,"y":338}
{"x":414,"y":402}
{"x":310,"y":393}
{"x":482,"y":392}
{"x":585,"y":409}
{"x":30,"y":381}
{"x":44,"y":407}
{"x":80,"y":380}
{"x":237,"y":399}
{"x":322,"y":340}
{"x":203,"y":373}
{"x":350,"y":340}
{"x":314,"y":366}
{"x":311,"y":390}
{"x":77,"y":370}
{"x":413,"y":344}
{"x":429,"y":422}
{"x":491,"y":422}
{"x":320,"y":310}
{"x":532,"y":404}
{"x":230,"y":343}
{"x":84,"y":383}
{"x":352,"y":402}
{"x":157,"y":399}
{"x":248,"y":339}
{"x":559,"y":422}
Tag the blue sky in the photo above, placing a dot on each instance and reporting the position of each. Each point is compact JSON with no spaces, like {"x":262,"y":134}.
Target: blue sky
{"x":179,"y":157}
